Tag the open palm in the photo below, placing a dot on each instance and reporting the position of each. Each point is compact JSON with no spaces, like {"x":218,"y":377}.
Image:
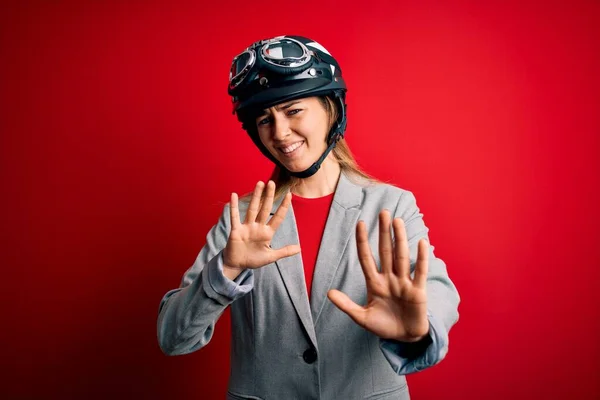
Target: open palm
{"x":396,"y":303}
{"x":249,"y":242}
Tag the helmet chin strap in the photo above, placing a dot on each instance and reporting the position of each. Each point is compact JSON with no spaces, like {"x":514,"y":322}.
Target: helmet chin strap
{"x":310,"y":171}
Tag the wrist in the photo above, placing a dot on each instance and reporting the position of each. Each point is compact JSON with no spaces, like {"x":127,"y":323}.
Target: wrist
{"x":231,"y":273}
{"x":420,"y":336}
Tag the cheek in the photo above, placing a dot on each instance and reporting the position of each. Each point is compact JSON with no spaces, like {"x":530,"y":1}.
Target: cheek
{"x":263,"y":135}
{"x":317,"y":134}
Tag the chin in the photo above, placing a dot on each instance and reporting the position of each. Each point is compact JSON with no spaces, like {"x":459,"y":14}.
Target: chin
{"x":292,"y":165}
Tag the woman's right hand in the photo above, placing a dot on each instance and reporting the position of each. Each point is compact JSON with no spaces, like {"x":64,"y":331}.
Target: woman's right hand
{"x":249,"y":242}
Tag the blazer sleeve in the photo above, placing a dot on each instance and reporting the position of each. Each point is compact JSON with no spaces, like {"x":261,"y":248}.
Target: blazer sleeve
{"x":187,"y":315}
{"x":442,"y":300}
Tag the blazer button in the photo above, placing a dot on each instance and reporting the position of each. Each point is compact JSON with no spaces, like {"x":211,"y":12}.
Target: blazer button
{"x":310,"y":356}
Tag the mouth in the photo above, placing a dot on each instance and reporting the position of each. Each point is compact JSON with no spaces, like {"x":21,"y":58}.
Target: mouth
{"x":292,"y":149}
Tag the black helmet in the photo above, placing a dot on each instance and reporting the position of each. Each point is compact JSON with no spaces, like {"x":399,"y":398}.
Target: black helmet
{"x":281,"y":69}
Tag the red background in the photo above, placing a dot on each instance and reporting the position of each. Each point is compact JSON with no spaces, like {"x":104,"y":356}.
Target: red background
{"x":118,"y":151}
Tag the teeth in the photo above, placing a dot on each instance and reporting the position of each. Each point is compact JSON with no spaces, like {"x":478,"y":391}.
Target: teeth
{"x":292,"y":147}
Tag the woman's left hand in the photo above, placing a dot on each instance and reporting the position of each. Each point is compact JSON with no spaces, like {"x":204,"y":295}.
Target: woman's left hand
{"x":396,"y":303}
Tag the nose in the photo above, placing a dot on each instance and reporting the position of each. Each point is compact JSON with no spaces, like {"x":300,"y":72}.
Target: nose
{"x":281,"y":127}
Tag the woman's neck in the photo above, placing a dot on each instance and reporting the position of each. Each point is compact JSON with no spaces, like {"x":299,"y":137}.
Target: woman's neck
{"x":322,"y":183}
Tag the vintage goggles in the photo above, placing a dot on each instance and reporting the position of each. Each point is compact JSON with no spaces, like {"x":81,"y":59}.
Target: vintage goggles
{"x":281,"y":54}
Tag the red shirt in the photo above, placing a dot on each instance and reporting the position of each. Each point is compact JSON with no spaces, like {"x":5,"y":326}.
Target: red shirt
{"x":311,"y":217}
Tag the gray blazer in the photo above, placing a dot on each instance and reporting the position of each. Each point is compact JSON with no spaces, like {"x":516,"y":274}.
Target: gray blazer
{"x":284,"y":346}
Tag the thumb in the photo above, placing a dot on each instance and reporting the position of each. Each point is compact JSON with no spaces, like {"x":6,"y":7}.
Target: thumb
{"x":286,"y":251}
{"x":344,"y":303}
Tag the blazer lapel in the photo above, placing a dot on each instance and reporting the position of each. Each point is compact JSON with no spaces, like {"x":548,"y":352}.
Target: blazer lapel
{"x":341,"y":224}
{"x":291,"y":270}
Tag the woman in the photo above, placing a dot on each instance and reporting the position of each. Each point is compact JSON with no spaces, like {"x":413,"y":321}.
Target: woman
{"x":315,"y":314}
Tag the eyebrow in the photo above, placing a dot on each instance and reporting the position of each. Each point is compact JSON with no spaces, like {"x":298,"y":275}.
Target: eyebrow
{"x":279,"y":108}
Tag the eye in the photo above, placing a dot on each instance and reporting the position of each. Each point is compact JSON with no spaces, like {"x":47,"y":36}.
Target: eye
{"x":294,"y":111}
{"x":263,"y":121}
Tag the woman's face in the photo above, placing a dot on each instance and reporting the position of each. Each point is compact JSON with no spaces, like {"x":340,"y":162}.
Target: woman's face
{"x":294,"y":132}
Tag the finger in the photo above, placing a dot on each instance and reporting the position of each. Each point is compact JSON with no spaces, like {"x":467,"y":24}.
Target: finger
{"x":386,"y":256}
{"x":365,"y":256}
{"x":234,"y":211}
{"x":286,"y":251}
{"x":344,"y":303}
{"x":401,"y":251}
{"x":422,"y":266}
{"x":267,"y":205}
{"x":254,"y":203}
{"x":281,"y":211}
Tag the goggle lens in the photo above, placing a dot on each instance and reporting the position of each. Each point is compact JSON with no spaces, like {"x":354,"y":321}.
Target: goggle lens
{"x":240,"y":63}
{"x":284,"y":52}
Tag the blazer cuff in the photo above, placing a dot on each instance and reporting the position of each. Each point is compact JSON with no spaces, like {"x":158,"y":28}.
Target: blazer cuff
{"x":406,"y":358}
{"x":221,"y":288}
